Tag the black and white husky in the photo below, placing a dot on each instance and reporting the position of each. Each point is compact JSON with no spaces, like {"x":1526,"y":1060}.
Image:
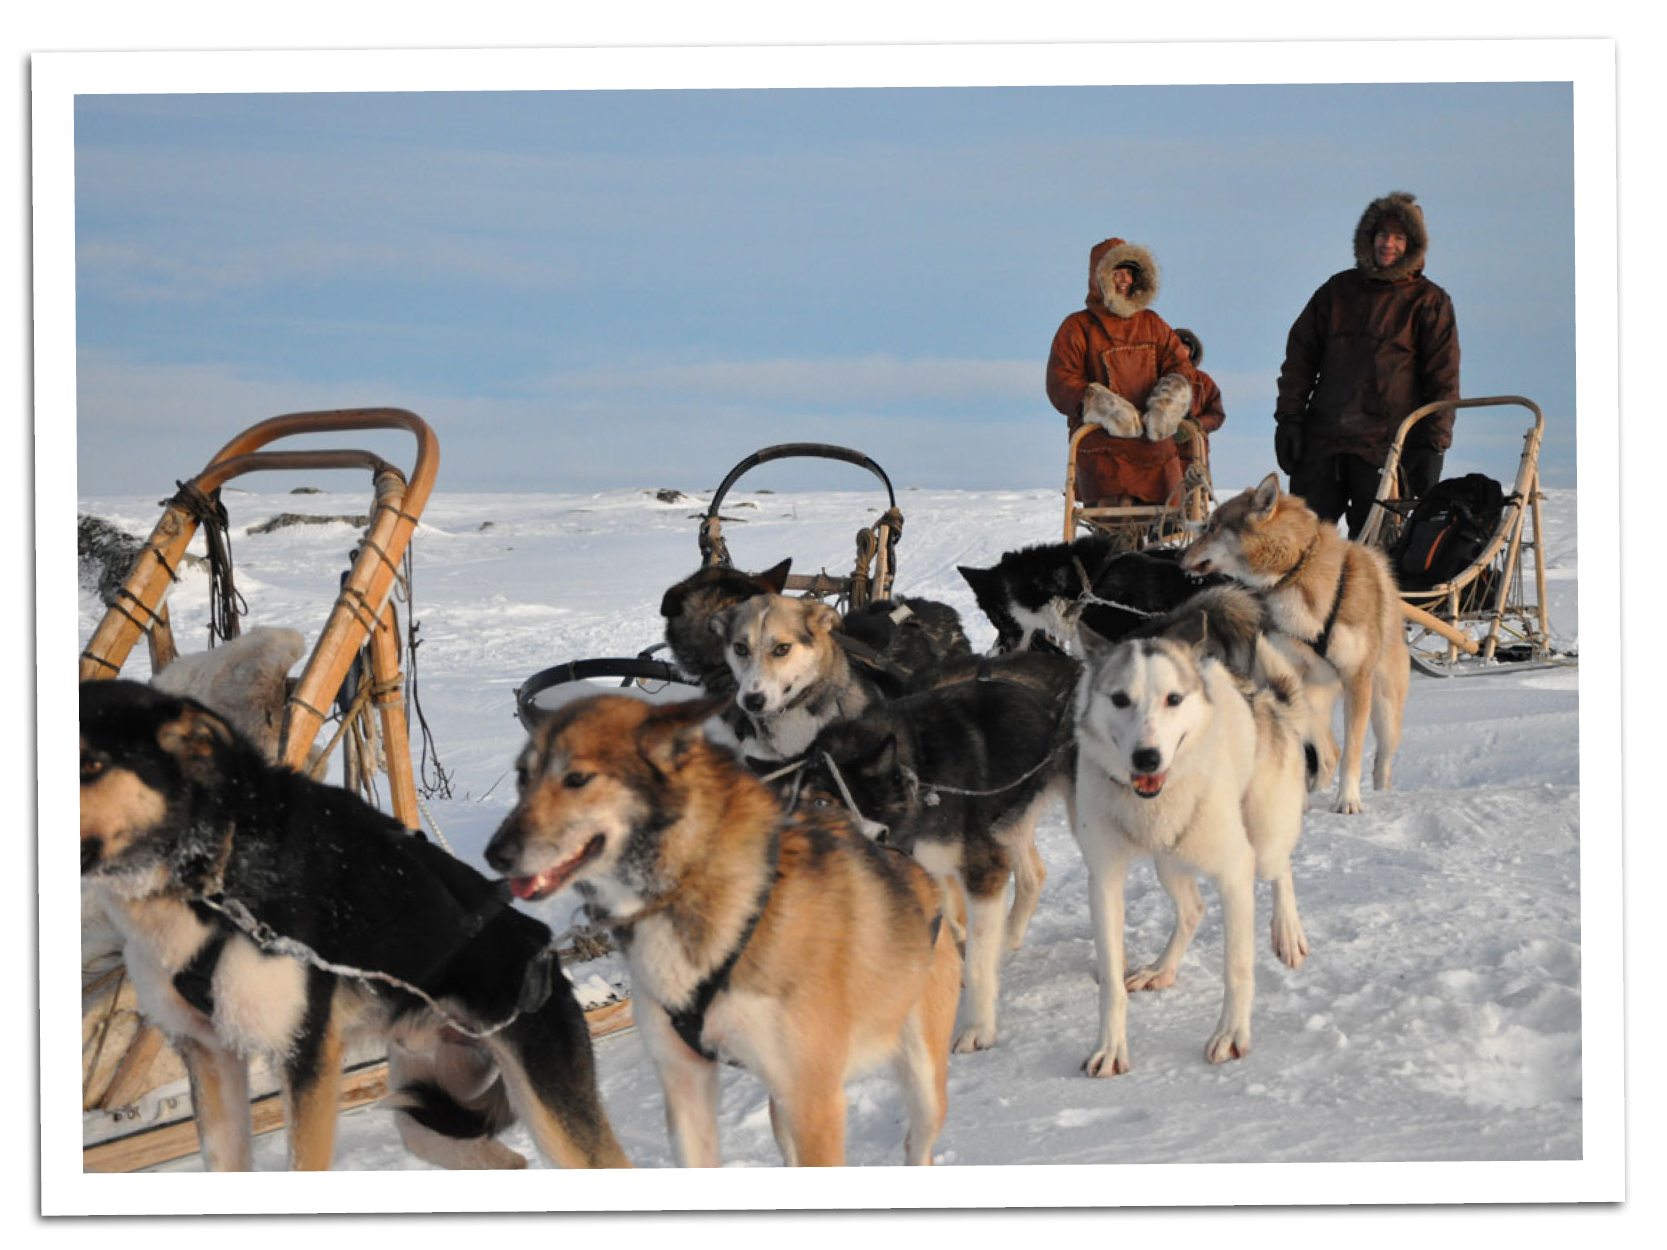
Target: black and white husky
{"x":958,"y":777}
{"x":1049,"y":589}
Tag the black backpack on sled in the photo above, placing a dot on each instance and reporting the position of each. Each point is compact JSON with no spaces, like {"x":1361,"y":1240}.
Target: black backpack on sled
{"x":1448,"y":530}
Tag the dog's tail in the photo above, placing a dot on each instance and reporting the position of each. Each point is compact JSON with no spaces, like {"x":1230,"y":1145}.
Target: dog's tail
{"x":454,"y":1132}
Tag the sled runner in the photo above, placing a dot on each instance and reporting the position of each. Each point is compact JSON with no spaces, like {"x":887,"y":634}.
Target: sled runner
{"x":1458,"y":557}
{"x":1135,"y":527}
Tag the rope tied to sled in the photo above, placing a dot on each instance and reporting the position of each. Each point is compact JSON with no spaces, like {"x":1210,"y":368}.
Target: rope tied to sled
{"x":226,"y":604}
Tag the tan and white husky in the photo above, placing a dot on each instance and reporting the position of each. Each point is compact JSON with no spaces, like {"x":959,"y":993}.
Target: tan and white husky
{"x":786,"y":943}
{"x":792,"y":677}
{"x":1335,"y":597}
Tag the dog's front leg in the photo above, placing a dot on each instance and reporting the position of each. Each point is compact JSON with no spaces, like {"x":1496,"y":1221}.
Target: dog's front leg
{"x":220,"y":1105}
{"x":311,"y":1088}
{"x":689,"y":1082}
{"x":1181,"y":884}
{"x":1107,"y":857}
{"x":1237,"y":883}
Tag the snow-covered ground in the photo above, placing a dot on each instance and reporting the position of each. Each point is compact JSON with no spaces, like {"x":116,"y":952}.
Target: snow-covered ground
{"x":1439,"y":1016}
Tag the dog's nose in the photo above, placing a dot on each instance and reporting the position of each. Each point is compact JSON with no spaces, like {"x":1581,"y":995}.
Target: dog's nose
{"x":91,"y":849}
{"x":503,"y":849}
{"x":753,"y":702}
{"x":1146,"y":760}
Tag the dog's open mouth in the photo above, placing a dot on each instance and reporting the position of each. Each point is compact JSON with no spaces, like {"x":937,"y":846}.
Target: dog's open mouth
{"x":546,"y":883}
{"x":1147,"y":785}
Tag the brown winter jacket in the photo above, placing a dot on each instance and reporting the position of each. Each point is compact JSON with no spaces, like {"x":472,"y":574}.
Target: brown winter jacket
{"x":1372,"y":345}
{"x":1122,"y":344}
{"x":1210,"y":414}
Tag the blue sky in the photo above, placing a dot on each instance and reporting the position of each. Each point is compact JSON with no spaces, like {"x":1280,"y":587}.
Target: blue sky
{"x":593,"y":289}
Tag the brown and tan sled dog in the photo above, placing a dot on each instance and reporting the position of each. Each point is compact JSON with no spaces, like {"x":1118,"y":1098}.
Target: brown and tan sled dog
{"x":1335,"y":598}
{"x":786,"y":943}
{"x":265,"y":914}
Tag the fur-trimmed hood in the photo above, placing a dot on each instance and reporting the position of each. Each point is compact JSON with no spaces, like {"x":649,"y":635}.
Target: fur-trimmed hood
{"x":1403,"y":207}
{"x":1106,"y":256}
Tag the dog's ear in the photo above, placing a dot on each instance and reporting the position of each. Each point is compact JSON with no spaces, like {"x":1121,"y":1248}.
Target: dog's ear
{"x":879,"y":759}
{"x":821,"y":616}
{"x":1094,"y":643}
{"x":671,"y":603}
{"x":1266,"y":498}
{"x":667,"y":734}
{"x":978,"y":579}
{"x":194,"y":736}
{"x":776,"y":578}
{"x":1192,"y":630}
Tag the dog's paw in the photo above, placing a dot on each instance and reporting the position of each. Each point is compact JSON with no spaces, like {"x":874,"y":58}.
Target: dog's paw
{"x":1290,"y":943}
{"x":1348,"y":804}
{"x":1112,"y":1061}
{"x":974,"y":1037}
{"x":1150,"y":977}
{"x":1228,"y":1043}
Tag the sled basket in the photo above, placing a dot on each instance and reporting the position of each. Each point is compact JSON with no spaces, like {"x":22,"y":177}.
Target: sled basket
{"x":1136,"y":526}
{"x":641,"y":672}
{"x":875,"y":568}
{"x":1463,"y":616}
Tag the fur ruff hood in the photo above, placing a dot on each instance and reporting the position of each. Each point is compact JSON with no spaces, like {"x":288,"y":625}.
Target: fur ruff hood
{"x":1402,"y":206}
{"x":1106,"y":256}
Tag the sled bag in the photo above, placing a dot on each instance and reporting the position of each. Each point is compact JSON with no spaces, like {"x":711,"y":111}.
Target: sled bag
{"x":1447,"y":531}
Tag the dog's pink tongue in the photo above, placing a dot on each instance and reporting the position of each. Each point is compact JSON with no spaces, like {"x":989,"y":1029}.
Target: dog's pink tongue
{"x":524,"y":887}
{"x":1148,"y":783}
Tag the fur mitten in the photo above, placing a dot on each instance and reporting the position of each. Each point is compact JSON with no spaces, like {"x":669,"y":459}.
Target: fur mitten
{"x":1169,"y":402}
{"x":1105,"y":408}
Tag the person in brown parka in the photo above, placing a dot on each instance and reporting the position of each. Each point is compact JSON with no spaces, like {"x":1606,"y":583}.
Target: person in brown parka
{"x":1210,"y":415}
{"x":1118,"y":365}
{"x":1374,"y":343}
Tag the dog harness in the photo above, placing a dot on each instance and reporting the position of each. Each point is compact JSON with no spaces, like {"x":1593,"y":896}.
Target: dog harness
{"x":1324,"y":640}
{"x":1336,"y":606}
{"x":690,"y":1021}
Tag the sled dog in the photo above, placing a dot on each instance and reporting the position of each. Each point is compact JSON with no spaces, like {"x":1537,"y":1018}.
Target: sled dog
{"x":690,"y":606}
{"x":1336,"y":597}
{"x":1180,"y":760}
{"x":267,"y":914}
{"x":791,"y":675}
{"x":786,"y":943}
{"x":958,"y":776}
{"x":245,"y":679}
{"x":904,"y":643}
{"x":1049,"y":588}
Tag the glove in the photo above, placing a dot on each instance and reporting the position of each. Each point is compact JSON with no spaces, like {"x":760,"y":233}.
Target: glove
{"x":1170,"y":400}
{"x":1105,"y":408}
{"x":1287,"y":446}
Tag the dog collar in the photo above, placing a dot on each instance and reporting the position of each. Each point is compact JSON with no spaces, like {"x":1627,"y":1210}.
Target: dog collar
{"x":1291,"y":574}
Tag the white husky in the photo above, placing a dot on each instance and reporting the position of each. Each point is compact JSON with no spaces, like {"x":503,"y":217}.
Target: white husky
{"x":1179,"y":760}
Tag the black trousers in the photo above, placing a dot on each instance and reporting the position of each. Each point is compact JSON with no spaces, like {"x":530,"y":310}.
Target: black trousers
{"x":1345,"y":485}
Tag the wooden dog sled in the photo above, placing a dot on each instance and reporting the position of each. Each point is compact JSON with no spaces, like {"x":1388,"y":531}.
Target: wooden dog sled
{"x":1489,"y":610}
{"x":135,"y":1103}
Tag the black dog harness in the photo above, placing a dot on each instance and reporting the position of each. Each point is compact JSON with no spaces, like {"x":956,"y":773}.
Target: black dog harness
{"x":690,"y":1021}
{"x":1321,"y":643}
